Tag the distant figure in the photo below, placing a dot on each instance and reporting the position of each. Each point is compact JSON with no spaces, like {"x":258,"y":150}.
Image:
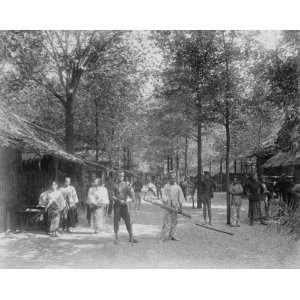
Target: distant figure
{"x":265,"y":197}
{"x":295,"y":196}
{"x":159,"y":186}
{"x":236,"y":191}
{"x":184,"y":186}
{"x":253,"y":191}
{"x":284,"y":186}
{"x":70,"y":216}
{"x":137,"y":186}
{"x":194,"y":184}
{"x":207,"y":189}
{"x":172,"y":196}
{"x":121,"y":192}
{"x":54,"y":203}
{"x":151,"y":188}
{"x":98,"y":200}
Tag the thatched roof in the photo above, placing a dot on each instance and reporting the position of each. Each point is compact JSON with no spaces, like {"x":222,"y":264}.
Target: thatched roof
{"x":283,"y":159}
{"x":18,"y":133}
{"x":267,"y":148}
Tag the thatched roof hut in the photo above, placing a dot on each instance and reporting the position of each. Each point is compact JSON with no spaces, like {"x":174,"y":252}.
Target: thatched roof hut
{"x":18,"y":133}
{"x":29,"y":158}
{"x":283,"y":159}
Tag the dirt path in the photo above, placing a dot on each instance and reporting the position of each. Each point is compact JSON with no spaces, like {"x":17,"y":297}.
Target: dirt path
{"x":250,"y":247}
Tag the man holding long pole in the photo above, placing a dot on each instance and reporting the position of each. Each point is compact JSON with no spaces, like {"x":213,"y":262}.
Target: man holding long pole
{"x":172,"y":196}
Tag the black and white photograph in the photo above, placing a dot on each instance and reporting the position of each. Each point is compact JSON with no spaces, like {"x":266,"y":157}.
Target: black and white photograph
{"x":149,"y":149}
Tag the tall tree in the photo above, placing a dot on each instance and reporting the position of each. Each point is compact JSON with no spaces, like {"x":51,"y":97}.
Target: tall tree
{"x":193,"y":55}
{"x":57,"y":62}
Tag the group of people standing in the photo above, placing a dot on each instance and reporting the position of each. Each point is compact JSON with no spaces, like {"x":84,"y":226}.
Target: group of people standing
{"x":60,"y":204}
{"x":60,"y":207}
{"x":257,"y":193}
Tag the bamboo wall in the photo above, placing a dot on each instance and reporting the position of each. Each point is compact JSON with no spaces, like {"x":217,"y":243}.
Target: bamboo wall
{"x":10,"y":165}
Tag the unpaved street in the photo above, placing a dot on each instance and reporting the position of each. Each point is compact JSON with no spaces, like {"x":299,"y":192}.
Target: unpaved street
{"x":250,"y":247}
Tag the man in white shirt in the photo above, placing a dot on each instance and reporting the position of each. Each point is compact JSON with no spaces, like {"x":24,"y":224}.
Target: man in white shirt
{"x":172,"y":196}
{"x":69,"y":215}
{"x":98,"y":200}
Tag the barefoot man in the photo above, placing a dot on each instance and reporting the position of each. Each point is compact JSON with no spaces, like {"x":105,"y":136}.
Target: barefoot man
{"x":121,"y":192}
{"x":172,"y":195}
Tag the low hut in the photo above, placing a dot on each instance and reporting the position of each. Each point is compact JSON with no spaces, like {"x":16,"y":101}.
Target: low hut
{"x":287,"y":163}
{"x":30,"y":158}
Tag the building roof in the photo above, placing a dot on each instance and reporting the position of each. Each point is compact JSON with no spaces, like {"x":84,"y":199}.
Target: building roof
{"x":283,"y":159}
{"x":18,"y":133}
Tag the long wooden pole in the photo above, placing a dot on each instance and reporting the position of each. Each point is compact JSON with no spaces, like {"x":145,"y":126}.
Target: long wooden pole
{"x":184,"y":214}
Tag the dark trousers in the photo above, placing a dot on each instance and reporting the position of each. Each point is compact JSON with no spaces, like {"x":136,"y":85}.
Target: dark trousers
{"x":159,"y":193}
{"x":88,"y":214}
{"x":252,"y":205}
{"x":110,"y":208}
{"x":206,"y":207}
{"x":68,"y":218}
{"x":121,"y":211}
{"x":72,"y":217}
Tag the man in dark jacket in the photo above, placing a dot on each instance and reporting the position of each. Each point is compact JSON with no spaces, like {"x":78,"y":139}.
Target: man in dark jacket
{"x":207,"y":192}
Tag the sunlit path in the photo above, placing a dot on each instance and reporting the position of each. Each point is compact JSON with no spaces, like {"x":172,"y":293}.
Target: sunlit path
{"x":250,"y":247}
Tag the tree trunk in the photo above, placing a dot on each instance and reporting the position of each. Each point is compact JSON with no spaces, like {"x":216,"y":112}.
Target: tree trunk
{"x":128,"y":158}
{"x":177,"y":166}
{"x":171,"y":162}
{"x":56,"y":168}
{"x":69,"y":124}
{"x":199,"y":156}
{"x":221,"y":175}
{"x":97,"y":131}
{"x":124,"y":158}
{"x":228,"y":95}
{"x":186,"y":157}
{"x":227,"y":163}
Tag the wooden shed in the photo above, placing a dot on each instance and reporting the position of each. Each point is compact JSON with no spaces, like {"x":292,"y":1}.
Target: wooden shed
{"x":30,"y":158}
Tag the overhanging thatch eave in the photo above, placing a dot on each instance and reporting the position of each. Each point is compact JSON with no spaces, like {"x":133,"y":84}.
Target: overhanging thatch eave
{"x":283,"y":159}
{"x":20,"y":135}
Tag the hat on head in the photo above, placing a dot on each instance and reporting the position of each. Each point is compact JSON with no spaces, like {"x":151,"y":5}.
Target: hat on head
{"x":172,"y":174}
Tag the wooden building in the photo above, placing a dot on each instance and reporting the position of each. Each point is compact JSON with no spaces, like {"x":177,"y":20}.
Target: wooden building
{"x":30,"y":159}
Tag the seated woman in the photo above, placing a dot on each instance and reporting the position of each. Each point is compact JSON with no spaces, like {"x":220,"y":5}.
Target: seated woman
{"x":54,"y":203}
